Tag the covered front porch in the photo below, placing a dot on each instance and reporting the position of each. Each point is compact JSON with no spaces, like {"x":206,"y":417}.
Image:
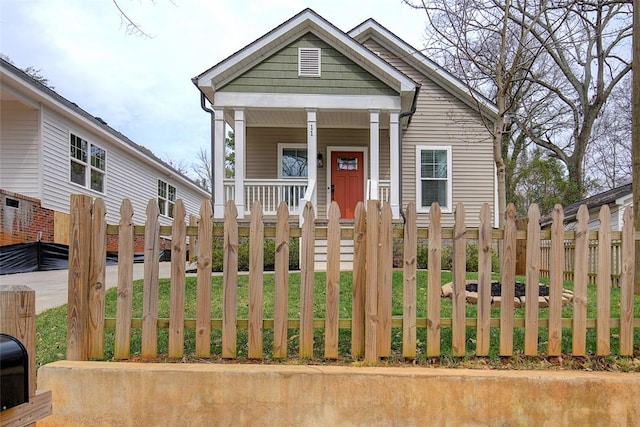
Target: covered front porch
{"x":308,"y":154}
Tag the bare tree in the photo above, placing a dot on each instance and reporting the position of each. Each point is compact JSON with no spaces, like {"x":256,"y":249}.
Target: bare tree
{"x":609,"y":153}
{"x":202,"y":168}
{"x":586,"y":54}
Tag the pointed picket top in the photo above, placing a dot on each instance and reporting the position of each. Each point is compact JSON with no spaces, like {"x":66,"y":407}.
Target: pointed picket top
{"x":152,"y":210}
{"x":283,"y":210}
{"x":126,"y":212}
{"x":179,"y":211}
{"x":308,"y":213}
{"x":230,"y":211}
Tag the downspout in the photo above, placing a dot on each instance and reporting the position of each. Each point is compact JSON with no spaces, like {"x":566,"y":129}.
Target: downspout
{"x":414,"y":106}
{"x":210,"y":111}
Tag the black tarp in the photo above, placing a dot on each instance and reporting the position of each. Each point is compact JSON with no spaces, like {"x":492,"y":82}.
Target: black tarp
{"x":43,"y":256}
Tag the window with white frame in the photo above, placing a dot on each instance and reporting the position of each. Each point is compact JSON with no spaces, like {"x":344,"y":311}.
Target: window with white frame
{"x":166,"y":198}
{"x":88,"y":164}
{"x":309,"y":62}
{"x":433,"y":170}
{"x":293,"y":161}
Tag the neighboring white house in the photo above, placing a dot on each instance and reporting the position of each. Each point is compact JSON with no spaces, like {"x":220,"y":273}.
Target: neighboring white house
{"x":618,"y":200}
{"x":322,"y":115}
{"x":51,"y":148}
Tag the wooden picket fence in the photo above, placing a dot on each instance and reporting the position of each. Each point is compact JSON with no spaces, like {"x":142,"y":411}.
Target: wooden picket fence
{"x":371,"y":319}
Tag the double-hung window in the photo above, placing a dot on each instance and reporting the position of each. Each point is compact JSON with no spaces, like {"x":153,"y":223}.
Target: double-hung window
{"x":166,"y":198}
{"x":293,"y":161}
{"x":433,"y":173}
{"x":88,"y":164}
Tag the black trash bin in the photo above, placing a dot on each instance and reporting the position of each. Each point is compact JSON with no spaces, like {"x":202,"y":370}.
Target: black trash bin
{"x":14,"y":373}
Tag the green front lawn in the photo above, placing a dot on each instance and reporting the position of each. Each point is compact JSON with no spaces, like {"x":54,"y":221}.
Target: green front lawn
{"x":51,"y":326}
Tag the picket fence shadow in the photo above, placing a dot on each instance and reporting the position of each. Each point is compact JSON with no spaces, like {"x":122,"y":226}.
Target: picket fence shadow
{"x":371,"y":319}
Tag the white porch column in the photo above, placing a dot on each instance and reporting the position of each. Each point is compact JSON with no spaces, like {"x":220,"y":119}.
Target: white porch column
{"x":218,"y":163}
{"x":394,"y":158}
{"x":374,"y":143}
{"x":240,"y":161}
{"x":312,"y":153}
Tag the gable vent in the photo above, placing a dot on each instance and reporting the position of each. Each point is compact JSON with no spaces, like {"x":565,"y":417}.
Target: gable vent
{"x":309,"y":62}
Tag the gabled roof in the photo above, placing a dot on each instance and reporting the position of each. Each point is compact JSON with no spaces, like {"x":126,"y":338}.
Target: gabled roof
{"x":307,"y":20}
{"x":371,"y":29}
{"x":50,"y":97}
{"x":609,"y":197}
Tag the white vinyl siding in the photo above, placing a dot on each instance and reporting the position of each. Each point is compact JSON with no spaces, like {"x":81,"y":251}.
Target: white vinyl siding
{"x":19,"y":144}
{"x":130,"y":174}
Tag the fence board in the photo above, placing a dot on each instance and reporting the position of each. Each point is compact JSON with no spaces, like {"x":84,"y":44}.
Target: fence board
{"x":307,"y":281}
{"x":434,"y":281}
{"x":204,"y":263}
{"x":458,"y":302}
{"x":603,"y":322}
{"x":409,"y":296}
{"x":125,"y":281}
{"x":230,"y":281}
{"x":97,"y":273}
{"x":532,"y":288}
{"x":507,"y":281}
{"x":581,"y":279}
{"x":358,"y":281}
{"x":626,"y":284}
{"x":256,"y":281}
{"x":556,"y":271}
{"x":332,"y":289}
{"x":385,"y":267}
{"x":281,"y":303}
{"x":371,"y":287}
{"x":178,"y":267}
{"x":77,"y":292}
{"x":151,"y":277}
{"x":484,"y":282}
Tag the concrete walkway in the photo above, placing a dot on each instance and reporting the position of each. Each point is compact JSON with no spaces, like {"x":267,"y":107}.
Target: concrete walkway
{"x":51,"y":286}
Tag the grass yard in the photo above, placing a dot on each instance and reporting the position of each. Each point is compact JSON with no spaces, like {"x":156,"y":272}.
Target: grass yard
{"x":51,"y":328}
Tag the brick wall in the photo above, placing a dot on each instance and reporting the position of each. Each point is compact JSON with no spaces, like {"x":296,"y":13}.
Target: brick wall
{"x":138,"y":243}
{"x":22,"y":219}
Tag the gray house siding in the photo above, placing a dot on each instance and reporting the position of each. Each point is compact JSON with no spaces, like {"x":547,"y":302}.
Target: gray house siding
{"x":443,"y":120}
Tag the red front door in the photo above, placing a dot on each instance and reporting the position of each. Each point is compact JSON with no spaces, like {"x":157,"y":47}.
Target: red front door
{"x":347,"y":180}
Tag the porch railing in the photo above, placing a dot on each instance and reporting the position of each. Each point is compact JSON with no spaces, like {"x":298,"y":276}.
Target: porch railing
{"x":270,"y":193}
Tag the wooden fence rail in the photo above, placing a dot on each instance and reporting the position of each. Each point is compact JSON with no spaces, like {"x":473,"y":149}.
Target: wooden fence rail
{"x":371,"y":323}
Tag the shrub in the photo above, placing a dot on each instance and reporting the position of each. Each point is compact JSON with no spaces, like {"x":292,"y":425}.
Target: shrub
{"x":243,"y":254}
{"x":447,"y":257}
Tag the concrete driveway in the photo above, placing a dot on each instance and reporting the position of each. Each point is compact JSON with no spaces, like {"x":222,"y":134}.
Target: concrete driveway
{"x":51,"y":286}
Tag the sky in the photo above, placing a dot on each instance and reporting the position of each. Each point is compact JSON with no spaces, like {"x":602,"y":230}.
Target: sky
{"x":142,"y":86}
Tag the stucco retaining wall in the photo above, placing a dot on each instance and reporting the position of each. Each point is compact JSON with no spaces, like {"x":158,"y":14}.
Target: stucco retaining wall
{"x":135,"y":394}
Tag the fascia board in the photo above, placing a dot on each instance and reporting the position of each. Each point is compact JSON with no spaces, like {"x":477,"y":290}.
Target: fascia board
{"x":296,"y":25}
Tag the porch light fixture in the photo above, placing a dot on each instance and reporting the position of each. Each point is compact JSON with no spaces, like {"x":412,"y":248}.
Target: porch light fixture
{"x":320,"y":161}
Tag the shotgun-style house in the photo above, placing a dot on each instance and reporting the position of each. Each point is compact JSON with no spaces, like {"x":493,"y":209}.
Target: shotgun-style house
{"x":51,"y":148}
{"x":322,"y":115}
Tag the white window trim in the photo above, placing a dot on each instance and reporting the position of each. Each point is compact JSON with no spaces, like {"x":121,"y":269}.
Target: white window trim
{"x":447,"y":148}
{"x":166,"y":199}
{"x":87,"y":164}
{"x":281,"y":147}
{"x":300,"y":54}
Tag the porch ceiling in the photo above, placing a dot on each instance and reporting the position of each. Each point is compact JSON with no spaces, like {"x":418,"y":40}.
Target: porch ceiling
{"x":298,"y":118}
